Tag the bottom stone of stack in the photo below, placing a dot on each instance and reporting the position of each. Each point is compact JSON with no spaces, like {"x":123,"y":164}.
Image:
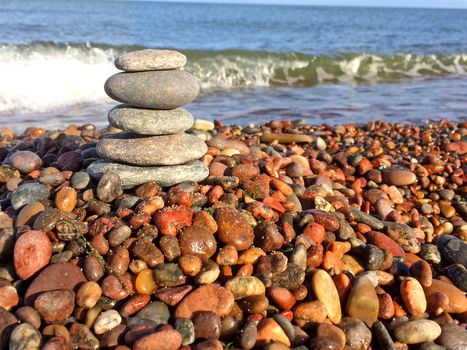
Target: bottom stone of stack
{"x":132,"y":176}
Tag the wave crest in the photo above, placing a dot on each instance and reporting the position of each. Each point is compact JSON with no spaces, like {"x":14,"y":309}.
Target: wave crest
{"x":43,"y":76}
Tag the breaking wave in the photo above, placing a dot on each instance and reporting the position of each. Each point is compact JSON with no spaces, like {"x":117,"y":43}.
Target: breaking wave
{"x":43,"y":76}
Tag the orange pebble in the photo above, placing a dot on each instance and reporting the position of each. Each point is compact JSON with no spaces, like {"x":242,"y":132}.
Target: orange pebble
{"x":339,"y":248}
{"x":245,"y":270}
{"x":315,"y":231}
{"x":332,"y":261}
{"x":145,"y":283}
{"x":343,"y":286}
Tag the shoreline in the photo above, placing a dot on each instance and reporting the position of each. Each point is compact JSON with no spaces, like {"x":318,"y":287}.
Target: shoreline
{"x":302,"y":236}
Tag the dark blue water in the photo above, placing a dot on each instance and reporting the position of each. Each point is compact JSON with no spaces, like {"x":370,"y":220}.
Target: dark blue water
{"x":254,"y":62}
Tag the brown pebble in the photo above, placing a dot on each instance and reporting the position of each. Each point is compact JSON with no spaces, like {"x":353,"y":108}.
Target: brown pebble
{"x":66,"y":199}
{"x":56,"y":305}
{"x":197,"y":241}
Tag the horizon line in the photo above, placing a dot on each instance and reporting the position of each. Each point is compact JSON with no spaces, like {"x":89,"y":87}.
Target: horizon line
{"x":265,"y":3}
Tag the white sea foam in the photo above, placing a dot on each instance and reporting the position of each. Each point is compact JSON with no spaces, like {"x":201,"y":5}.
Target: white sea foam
{"x":43,"y":77}
{"x":40,"y":81}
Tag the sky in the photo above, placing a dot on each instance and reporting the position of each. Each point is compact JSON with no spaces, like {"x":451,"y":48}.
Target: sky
{"x":385,"y":3}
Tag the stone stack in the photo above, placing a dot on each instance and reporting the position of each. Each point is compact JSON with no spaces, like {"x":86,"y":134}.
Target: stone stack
{"x":153,"y":145}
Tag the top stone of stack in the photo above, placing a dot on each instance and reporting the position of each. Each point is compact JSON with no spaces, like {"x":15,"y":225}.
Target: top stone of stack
{"x":150,"y":59}
{"x":152,"y":79}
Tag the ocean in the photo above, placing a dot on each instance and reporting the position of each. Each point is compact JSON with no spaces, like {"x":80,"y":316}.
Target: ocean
{"x":255,"y":62}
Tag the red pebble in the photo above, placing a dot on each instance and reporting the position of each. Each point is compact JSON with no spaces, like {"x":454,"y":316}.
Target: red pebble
{"x":32,"y":252}
{"x":171,"y":220}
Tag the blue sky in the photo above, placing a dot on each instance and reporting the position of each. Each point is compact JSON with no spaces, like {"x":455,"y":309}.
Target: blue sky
{"x":386,"y":3}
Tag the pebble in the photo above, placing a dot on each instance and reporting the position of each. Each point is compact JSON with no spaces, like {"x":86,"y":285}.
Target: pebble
{"x":28,"y":193}
{"x":55,"y":305}
{"x":185,"y":327}
{"x":398,"y":176}
{"x":56,"y":276}
{"x":269,"y":331}
{"x":66,"y":199}
{"x":80,"y":180}
{"x":8,"y":297}
{"x":165,"y":339}
{"x":150,"y":121}
{"x":88,"y":294}
{"x":453,"y":337}
{"x":32,"y":252}
{"x":168,"y":275}
{"x":109,"y":187}
{"x":244,"y":286}
{"x":27,"y":314}
{"x":222,"y":142}
{"x":325,"y":291}
{"x":29,"y":213}
{"x":421,"y":270}
{"x":247,"y":336}
{"x":417,"y":331}
{"x":357,"y":334}
{"x":173,"y":295}
{"x":286,"y":325}
{"x":202,"y":124}
{"x":413,"y":296}
{"x":307,"y":313}
{"x":233,"y":228}
{"x":150,"y":59}
{"x":382,"y":335}
{"x":24,"y":161}
{"x":333,"y":333}
{"x":452,"y":249}
{"x":363,"y":302}
{"x":153,"y":89}
{"x":207,"y":325}
{"x":403,"y":235}
{"x":457,"y":299}
{"x":369,"y":220}
{"x":106,"y":321}
{"x":286,"y":138}
{"x":132,"y":176}
{"x":25,"y":336}
{"x":210,"y":297}
{"x":197,"y":241}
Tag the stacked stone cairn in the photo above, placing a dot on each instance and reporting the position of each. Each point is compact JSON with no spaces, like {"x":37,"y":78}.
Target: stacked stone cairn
{"x":153,"y":145}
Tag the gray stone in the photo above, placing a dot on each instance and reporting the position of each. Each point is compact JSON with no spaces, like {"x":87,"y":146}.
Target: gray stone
{"x":109,"y":187}
{"x":150,"y":59}
{"x":365,"y":218}
{"x":168,"y":275}
{"x":27,"y":193}
{"x":453,"y":337}
{"x":155,"y":90}
{"x":383,"y":337}
{"x":417,"y":331}
{"x":286,"y":326}
{"x":247,"y":336}
{"x":80,"y":180}
{"x":150,"y":121}
{"x":156,"y":312}
{"x":25,"y":337}
{"x":151,"y":150}
{"x":165,"y":176}
{"x":357,"y":335}
{"x":452,"y":249}
{"x":185,"y":327}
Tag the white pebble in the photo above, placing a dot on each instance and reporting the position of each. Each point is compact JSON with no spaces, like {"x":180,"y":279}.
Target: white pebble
{"x":107,"y":321}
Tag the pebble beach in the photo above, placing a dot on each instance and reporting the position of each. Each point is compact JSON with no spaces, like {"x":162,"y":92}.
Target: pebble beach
{"x":302,"y":236}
